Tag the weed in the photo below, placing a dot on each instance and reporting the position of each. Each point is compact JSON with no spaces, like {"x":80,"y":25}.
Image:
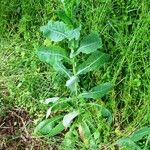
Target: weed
{"x":78,"y":107}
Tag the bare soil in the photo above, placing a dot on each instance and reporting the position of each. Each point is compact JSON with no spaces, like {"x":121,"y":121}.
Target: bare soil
{"x":14,"y":134}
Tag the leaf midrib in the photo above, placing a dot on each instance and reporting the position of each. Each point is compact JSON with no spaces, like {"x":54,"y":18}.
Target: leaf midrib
{"x":58,"y":32}
{"x":63,"y":70}
{"x":84,"y":46}
{"x":53,"y":54}
{"x":80,"y":71}
{"x":93,"y":92}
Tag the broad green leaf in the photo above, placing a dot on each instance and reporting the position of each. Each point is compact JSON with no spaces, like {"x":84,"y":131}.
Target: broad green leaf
{"x":46,"y":126}
{"x":127,"y":143}
{"x":95,"y":61}
{"x":56,"y":130}
{"x":58,"y":31}
{"x":51,"y":55}
{"x":139,"y":134}
{"x":61,"y":105}
{"x":90,"y":44}
{"x":59,"y":67}
{"x":71,"y":82}
{"x":74,"y":33}
{"x":98,"y":91}
{"x":67,"y":120}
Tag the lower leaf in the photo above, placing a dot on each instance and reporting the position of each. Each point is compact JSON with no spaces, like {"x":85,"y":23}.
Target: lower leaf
{"x":47,"y":126}
{"x":127,"y":143}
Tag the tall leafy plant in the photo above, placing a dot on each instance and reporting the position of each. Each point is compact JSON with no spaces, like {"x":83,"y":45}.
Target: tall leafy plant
{"x":75,"y":113}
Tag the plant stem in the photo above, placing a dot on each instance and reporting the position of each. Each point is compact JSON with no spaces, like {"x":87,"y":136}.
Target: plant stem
{"x":74,"y":72}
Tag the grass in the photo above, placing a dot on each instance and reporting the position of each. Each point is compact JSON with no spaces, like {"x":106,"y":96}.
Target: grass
{"x":124,"y":28}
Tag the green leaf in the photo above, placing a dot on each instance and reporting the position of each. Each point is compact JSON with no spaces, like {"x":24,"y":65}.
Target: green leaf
{"x":71,"y":82}
{"x":51,"y":55}
{"x":61,"y":105}
{"x":127,"y":143}
{"x":107,"y":114}
{"x":46,"y":126}
{"x":58,"y":31}
{"x":63,"y":16}
{"x":56,"y":130}
{"x":90,"y":44}
{"x":59,"y":67}
{"x":74,"y":33}
{"x":139,"y":134}
{"x":98,"y":91}
{"x":95,"y":61}
{"x":71,"y":9}
{"x":67,"y":120}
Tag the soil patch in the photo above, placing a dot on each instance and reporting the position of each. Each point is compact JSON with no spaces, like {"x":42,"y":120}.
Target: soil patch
{"x":14,"y":134}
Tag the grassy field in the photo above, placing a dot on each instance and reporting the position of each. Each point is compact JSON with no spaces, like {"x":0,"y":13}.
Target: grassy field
{"x":24,"y":80}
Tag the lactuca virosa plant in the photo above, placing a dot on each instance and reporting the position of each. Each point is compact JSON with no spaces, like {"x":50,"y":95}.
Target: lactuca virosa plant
{"x":75,"y":113}
{"x":132,"y":142}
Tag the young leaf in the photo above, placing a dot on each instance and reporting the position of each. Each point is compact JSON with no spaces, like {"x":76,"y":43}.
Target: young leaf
{"x":127,"y":143}
{"x":96,"y":60}
{"x":58,"y":31}
{"x":90,"y":44}
{"x":139,"y":134}
{"x":46,"y":126}
{"x":67,"y":120}
{"x":97,"y":91}
{"x":51,"y":55}
{"x":71,"y":82}
{"x":63,"y":16}
{"x":59,"y":67}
